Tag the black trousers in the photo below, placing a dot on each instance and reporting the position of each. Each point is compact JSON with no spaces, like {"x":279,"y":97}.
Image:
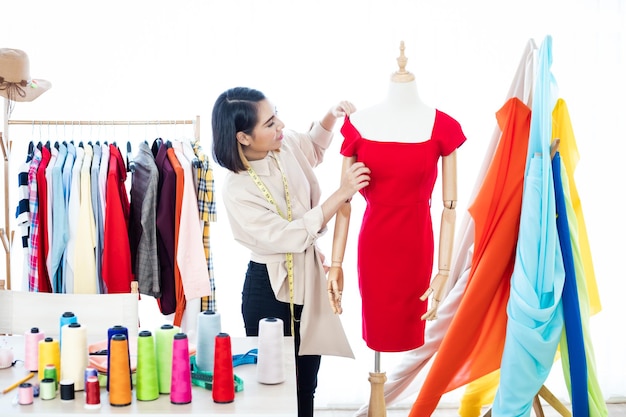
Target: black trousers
{"x":259,"y":302}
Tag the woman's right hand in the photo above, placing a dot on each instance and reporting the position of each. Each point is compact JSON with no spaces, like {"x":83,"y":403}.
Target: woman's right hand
{"x":354,"y":179}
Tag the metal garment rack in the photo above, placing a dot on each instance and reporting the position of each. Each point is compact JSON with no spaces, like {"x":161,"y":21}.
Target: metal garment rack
{"x":6,"y":234}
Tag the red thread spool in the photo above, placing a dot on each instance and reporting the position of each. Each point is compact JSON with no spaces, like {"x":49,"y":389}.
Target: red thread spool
{"x":92,"y":392}
{"x":223,"y":374}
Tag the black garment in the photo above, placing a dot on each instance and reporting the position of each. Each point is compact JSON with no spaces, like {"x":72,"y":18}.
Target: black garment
{"x":259,"y":302}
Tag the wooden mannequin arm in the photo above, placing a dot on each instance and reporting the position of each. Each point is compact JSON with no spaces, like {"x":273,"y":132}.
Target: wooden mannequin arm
{"x":448,"y":217}
{"x":340,"y":239}
{"x":446,"y":235}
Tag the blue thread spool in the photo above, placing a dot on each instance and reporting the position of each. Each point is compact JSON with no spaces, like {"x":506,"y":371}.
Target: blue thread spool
{"x":66,"y":318}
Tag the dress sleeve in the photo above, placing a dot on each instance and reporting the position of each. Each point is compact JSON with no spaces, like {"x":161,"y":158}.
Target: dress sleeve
{"x":350,"y":138}
{"x":448,"y":133}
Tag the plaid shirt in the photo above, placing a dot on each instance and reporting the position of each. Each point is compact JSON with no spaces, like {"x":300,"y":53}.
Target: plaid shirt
{"x":33,"y":199}
{"x":206,"y":208}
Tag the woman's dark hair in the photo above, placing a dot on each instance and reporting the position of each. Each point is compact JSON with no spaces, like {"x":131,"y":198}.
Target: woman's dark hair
{"x":235,"y":110}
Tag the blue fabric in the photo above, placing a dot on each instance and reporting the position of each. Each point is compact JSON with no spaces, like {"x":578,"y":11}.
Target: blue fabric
{"x":535,"y":314}
{"x":571,"y":308}
{"x":98,"y":217}
{"x":68,"y":166}
{"x":59,"y":227}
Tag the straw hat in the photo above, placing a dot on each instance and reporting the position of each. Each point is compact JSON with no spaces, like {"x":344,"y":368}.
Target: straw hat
{"x":15,"y":81}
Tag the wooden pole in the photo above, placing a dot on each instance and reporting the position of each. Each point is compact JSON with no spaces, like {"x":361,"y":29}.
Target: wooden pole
{"x":377,"y":406}
{"x":377,"y":395}
{"x":5,"y":232}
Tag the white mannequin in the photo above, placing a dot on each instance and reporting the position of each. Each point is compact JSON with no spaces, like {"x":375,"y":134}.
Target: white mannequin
{"x":401,"y":117}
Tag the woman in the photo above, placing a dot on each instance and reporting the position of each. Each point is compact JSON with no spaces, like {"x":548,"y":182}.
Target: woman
{"x":271,"y":196}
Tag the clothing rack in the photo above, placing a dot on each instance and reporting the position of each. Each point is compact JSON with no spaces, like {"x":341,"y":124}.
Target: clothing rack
{"x":6,"y":234}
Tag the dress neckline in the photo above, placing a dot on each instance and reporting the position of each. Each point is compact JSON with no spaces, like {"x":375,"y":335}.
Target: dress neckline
{"x":349,"y":122}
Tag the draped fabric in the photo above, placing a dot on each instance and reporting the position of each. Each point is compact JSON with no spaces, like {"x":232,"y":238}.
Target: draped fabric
{"x":562,"y":128}
{"x":535,"y":315}
{"x":571,"y":311}
{"x":581,"y":251}
{"x":474,"y":341}
{"x":478,"y":393}
{"x":402,"y":381}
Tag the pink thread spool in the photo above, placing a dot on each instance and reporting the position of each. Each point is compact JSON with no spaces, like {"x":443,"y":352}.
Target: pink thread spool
{"x":180,"y":392}
{"x":31,"y":349}
{"x":25,"y":394}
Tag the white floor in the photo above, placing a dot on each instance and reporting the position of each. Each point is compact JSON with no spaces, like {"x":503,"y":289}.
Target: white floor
{"x":615,"y":410}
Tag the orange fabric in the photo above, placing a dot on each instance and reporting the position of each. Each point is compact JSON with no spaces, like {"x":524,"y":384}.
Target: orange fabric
{"x":473,"y":345}
{"x":181,"y":302}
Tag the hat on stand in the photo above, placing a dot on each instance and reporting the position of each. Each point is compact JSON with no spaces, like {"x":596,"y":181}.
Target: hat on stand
{"x":15,"y":81}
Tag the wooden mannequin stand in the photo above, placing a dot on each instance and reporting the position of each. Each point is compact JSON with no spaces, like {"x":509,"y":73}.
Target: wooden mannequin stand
{"x":377,"y":381}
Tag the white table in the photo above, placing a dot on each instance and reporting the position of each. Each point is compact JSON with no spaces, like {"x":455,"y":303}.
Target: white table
{"x":256,"y":400}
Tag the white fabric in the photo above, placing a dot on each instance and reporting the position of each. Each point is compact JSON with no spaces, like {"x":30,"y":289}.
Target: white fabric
{"x":72,"y":216}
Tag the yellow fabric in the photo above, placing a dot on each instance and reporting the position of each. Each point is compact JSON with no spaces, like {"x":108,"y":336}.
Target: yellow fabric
{"x":479,"y":393}
{"x":562,"y":129}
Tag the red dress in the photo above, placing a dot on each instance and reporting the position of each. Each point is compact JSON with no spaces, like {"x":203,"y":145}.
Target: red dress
{"x":396,"y":246}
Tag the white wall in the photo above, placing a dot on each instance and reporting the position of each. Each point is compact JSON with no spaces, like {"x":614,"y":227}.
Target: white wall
{"x":170,"y":59}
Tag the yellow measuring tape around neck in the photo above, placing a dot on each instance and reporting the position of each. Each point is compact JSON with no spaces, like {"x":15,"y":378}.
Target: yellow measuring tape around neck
{"x":271,"y":200}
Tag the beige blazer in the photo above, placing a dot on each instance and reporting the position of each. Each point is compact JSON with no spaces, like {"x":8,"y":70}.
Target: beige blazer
{"x":257,"y":225}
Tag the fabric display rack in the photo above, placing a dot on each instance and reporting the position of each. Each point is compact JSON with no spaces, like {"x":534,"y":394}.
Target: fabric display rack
{"x":522,"y":285}
{"x":8,"y":235}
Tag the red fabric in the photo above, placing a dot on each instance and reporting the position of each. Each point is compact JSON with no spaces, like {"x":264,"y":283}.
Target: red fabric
{"x":181,"y":302}
{"x":116,"y":259}
{"x":396,"y":244}
{"x":42,"y":192}
{"x":473,"y":344}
